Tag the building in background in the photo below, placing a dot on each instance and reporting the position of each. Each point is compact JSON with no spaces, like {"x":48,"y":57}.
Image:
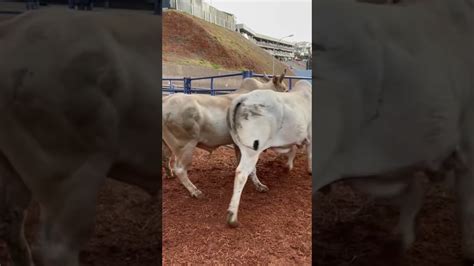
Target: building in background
{"x":125,"y":4}
{"x":309,"y":63}
{"x":203,"y":10}
{"x":281,"y":49}
{"x":302,"y":50}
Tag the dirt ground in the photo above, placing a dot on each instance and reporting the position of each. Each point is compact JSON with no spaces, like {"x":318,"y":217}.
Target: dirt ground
{"x":342,"y":238}
{"x":275,"y":227}
{"x":127,"y":229}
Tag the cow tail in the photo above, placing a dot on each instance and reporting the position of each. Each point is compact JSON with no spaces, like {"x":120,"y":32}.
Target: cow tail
{"x":232,"y":114}
{"x":234,"y":108}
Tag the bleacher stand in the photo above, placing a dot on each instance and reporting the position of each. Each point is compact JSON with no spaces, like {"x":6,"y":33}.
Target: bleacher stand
{"x":156,"y":5}
{"x":85,"y":5}
{"x":32,"y":4}
{"x":81,"y":4}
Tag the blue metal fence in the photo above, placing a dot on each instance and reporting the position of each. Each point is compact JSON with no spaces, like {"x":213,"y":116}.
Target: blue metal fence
{"x":185,"y":85}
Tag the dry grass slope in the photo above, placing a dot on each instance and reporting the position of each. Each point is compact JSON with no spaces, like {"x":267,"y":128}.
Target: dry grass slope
{"x":190,"y":40}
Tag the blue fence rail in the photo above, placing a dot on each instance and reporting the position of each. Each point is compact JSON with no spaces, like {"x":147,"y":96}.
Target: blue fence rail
{"x":187,"y":87}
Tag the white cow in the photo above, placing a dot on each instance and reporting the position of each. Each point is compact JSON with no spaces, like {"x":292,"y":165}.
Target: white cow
{"x":79,"y":100}
{"x":266,"y":119}
{"x":406,"y":188}
{"x":390,"y":96}
{"x":193,"y":120}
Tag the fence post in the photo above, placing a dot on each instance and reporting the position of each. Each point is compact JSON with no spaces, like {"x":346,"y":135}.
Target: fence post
{"x":213,"y":92}
{"x":247,"y":74}
{"x":172,"y":87}
{"x":157,"y":8}
{"x":187,"y":85}
{"x":289,"y":80}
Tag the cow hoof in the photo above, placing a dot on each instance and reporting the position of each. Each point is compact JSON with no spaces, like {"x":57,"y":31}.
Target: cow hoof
{"x":167,"y":176}
{"x":232,"y":220}
{"x":197,"y":194}
{"x":262,"y":188}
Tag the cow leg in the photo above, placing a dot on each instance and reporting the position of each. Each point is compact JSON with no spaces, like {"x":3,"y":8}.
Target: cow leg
{"x":237,"y":153}
{"x":68,"y":214}
{"x":167,"y":156}
{"x":14,"y":200}
{"x":411,"y":201}
{"x":291,"y":157}
{"x":465,"y":187}
{"x":258,"y":185}
{"x":245,"y":167}
{"x":408,"y":194}
{"x":465,"y":193}
{"x":170,"y":166}
{"x":183,"y":160}
{"x":309,"y":151}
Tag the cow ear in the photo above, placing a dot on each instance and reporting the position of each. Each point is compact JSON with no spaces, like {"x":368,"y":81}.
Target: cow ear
{"x":282,"y":76}
{"x":275,"y":80}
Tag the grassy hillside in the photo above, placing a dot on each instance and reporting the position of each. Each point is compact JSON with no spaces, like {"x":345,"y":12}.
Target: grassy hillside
{"x":190,"y":40}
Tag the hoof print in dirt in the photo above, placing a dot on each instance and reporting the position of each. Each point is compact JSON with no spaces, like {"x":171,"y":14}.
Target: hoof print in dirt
{"x":230,"y":221}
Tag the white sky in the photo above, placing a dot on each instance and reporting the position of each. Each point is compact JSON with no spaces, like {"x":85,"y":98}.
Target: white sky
{"x":273,"y":18}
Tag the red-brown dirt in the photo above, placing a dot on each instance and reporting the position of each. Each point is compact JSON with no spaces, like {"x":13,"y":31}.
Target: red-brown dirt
{"x":343,"y":238}
{"x":127,"y":230}
{"x":275,"y":227}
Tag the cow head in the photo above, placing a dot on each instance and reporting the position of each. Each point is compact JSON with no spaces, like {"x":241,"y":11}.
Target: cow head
{"x":275,"y":84}
{"x":278,"y":83}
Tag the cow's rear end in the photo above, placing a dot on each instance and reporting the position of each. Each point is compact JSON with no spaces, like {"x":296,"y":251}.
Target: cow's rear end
{"x":265,"y":119}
